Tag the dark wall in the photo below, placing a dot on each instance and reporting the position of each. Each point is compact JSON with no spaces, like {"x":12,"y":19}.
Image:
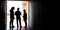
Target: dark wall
{"x":2,"y":16}
{"x":39,"y":14}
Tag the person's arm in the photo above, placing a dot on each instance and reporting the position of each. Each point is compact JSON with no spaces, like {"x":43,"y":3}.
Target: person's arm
{"x":20,"y":13}
{"x":26,"y":14}
{"x":15,"y":13}
{"x":10,"y":11}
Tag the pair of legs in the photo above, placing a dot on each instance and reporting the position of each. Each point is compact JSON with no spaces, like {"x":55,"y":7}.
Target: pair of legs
{"x":25,"y":23}
{"x":11,"y":22}
{"x":19,"y":22}
{"x":25,"y":20}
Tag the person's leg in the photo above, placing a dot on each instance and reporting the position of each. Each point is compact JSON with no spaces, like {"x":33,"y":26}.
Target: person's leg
{"x":10,"y":22}
{"x":17,"y":24}
{"x":25,"y":24}
{"x":20,"y":23}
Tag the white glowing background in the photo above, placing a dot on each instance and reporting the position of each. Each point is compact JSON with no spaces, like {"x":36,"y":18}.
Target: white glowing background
{"x":16,"y":4}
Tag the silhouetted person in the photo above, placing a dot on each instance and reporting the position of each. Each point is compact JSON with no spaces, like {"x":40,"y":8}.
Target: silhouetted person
{"x":18,"y":13}
{"x":25,"y":18}
{"x":11,"y":17}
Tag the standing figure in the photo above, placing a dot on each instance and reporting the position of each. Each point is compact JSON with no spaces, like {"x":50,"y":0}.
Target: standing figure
{"x":18,"y":13}
{"x":25,"y":18}
{"x":12,"y":17}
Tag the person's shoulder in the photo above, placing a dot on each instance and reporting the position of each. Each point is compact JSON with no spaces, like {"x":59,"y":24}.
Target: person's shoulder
{"x":19,"y":11}
{"x":15,"y":11}
{"x":10,"y":10}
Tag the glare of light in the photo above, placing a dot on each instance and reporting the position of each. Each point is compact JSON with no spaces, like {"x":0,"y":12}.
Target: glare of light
{"x":16,"y":4}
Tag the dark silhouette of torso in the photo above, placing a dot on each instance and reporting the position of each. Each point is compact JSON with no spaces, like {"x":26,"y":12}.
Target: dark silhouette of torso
{"x":11,"y":14}
{"x":17,"y":13}
{"x":25,"y":16}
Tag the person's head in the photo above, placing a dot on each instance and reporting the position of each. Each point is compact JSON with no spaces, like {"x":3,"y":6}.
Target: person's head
{"x":24,"y":10}
{"x":12,"y":8}
{"x":17,"y":9}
